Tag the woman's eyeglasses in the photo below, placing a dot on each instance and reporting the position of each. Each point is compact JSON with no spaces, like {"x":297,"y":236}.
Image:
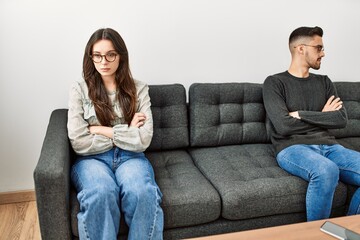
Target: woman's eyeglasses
{"x":109,"y":57}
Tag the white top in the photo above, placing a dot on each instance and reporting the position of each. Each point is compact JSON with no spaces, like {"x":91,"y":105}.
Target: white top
{"x":81,"y":114}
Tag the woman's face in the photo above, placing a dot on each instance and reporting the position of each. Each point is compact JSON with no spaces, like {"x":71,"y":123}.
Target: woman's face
{"x":105,"y":58}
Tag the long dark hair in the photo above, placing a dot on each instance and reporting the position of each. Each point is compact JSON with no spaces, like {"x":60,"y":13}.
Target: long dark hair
{"x":126,"y":90}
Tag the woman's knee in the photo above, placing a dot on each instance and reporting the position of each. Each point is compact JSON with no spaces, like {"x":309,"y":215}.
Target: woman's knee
{"x":141,"y":188}
{"x":94,"y":182}
{"x":99,"y":193}
{"x":137,"y":182}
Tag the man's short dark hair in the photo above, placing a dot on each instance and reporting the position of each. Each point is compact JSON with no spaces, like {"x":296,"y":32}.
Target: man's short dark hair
{"x":305,"y":32}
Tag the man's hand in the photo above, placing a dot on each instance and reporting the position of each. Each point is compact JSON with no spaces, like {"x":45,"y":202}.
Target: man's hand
{"x":138,"y":120}
{"x":295,"y":114}
{"x":332,"y":104}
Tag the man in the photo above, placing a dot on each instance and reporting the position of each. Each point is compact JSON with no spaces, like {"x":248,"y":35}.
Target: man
{"x":301,"y":107}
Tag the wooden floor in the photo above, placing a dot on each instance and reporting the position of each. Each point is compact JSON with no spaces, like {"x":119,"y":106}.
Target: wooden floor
{"x":19,"y":221}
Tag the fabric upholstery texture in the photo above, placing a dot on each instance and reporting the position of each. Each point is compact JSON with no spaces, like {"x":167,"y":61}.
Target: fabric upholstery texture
{"x":349,"y":93}
{"x":350,"y":142}
{"x":188,"y":198}
{"x":52,"y":179}
{"x":226,"y":113}
{"x":169,"y":110}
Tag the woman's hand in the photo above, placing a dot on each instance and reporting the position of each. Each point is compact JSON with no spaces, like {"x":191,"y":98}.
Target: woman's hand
{"x":138,"y":120}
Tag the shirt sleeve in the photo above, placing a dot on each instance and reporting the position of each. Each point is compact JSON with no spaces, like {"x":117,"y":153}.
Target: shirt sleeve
{"x":284,"y":124}
{"x":132,"y":138}
{"x":278,"y":112}
{"x":328,"y":120}
{"x":82,"y":141}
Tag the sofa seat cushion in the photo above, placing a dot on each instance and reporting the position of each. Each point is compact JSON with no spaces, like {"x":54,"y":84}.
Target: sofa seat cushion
{"x":188,"y":197}
{"x":250,"y":182}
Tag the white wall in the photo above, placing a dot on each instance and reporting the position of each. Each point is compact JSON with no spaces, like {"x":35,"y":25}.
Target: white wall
{"x":42,"y":43}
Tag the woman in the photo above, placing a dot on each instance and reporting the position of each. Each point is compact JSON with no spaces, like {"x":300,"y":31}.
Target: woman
{"x":109,"y":126}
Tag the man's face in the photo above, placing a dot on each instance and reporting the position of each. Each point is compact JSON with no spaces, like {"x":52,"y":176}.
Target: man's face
{"x":314,"y":52}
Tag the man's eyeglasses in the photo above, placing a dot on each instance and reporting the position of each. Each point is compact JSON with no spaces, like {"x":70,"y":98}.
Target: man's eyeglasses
{"x":319,"y":48}
{"x":97,"y":58}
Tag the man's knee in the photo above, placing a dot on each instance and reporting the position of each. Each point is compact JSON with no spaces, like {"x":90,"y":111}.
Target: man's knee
{"x":327,"y":173}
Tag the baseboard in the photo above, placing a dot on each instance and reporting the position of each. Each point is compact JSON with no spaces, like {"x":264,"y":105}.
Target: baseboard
{"x":17,"y":196}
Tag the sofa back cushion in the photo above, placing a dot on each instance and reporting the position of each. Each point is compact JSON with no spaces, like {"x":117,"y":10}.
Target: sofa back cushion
{"x":169,"y":110}
{"x":349,"y":93}
{"x":226,"y":114}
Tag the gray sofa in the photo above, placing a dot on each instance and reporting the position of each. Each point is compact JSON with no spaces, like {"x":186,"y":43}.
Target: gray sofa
{"x":213,"y":161}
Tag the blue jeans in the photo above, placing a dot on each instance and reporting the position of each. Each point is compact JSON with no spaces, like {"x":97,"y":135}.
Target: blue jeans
{"x":322,"y":166}
{"x":113,"y":182}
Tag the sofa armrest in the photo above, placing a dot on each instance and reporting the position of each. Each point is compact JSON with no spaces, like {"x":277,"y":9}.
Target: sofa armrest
{"x":52,"y":179}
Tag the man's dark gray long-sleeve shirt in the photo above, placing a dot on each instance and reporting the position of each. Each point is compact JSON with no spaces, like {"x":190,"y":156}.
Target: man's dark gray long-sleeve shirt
{"x":284,"y":93}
